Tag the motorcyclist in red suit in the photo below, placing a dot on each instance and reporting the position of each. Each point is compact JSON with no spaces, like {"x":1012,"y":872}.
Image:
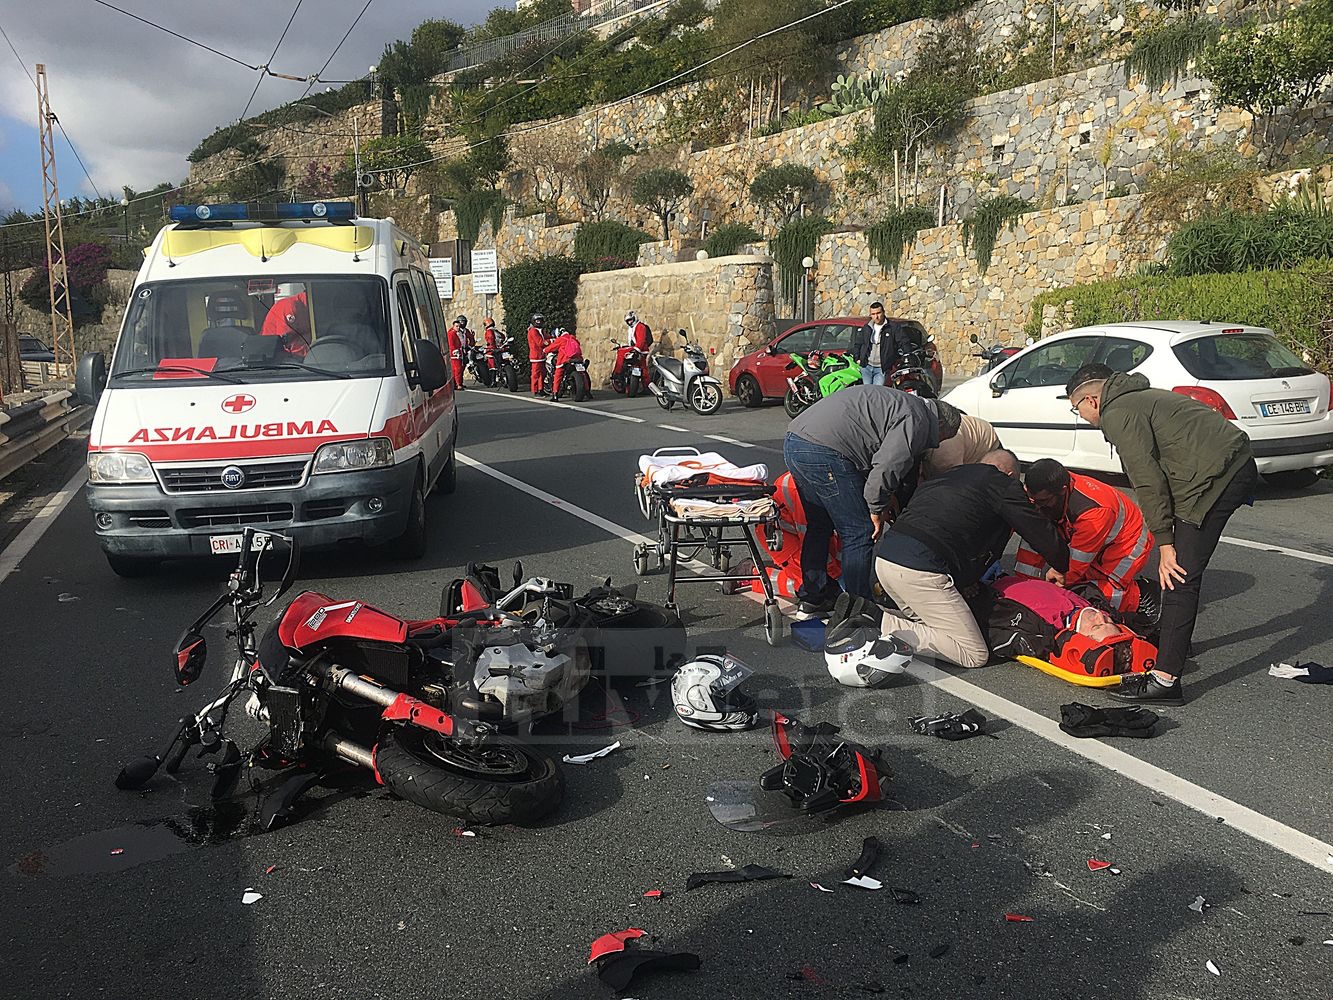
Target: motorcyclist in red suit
{"x":637,"y":339}
{"x":536,"y":351}
{"x":566,"y":348}
{"x":459,"y":340}
{"x":491,"y":337}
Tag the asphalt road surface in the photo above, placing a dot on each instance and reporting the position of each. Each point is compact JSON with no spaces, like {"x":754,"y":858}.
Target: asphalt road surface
{"x":140,"y":894}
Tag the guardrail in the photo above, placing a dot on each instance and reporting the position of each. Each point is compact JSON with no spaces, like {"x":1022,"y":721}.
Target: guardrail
{"x":35,"y":427}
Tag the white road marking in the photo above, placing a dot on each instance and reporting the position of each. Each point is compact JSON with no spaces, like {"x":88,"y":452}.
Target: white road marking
{"x":726,"y":440}
{"x":1289,"y":840}
{"x":678,"y":430}
{"x":1313,"y":557}
{"x":23,"y":543}
{"x":563,"y":406}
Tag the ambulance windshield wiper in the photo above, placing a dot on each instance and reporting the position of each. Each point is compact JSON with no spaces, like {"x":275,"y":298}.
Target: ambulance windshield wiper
{"x":202,"y":373}
{"x":288,"y":365}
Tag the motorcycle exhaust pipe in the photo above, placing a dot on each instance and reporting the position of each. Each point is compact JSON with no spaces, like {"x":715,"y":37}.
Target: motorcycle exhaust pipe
{"x":343,"y":678}
{"x":654,"y":388}
{"x":353,"y":753}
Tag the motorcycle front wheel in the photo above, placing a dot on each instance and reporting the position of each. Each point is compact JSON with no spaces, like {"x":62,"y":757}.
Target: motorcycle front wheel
{"x":501,"y":780}
{"x":511,"y":378}
{"x":705,"y":398}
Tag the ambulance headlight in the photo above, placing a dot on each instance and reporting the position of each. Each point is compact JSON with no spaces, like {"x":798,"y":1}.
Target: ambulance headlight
{"x":350,"y":456}
{"x":118,"y":467}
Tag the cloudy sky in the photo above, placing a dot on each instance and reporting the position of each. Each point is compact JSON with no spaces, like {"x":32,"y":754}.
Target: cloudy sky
{"x":135,"y":101}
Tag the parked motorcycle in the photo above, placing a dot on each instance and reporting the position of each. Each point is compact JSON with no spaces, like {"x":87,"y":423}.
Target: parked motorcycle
{"x":429,"y":706}
{"x":477,"y":361}
{"x":910,"y":374}
{"x":686,"y":381}
{"x":995,"y":355}
{"x":506,"y":365}
{"x":629,"y":379}
{"x":575,"y":379}
{"x":816,"y":375}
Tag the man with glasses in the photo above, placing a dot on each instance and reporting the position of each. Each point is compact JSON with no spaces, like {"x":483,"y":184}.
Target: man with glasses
{"x":1191,"y":469}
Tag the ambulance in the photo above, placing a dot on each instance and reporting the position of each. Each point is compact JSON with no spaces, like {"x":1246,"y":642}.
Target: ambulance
{"x":281,"y":367}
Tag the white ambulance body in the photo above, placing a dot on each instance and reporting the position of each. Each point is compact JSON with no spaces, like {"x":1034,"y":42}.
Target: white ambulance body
{"x":279,"y":366}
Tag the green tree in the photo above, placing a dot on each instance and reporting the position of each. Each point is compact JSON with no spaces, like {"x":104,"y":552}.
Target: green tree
{"x":781,"y":190}
{"x":258,"y":181}
{"x":394,"y":157}
{"x":729,"y":237}
{"x":596,"y":175}
{"x":1266,"y":69}
{"x":921,"y":110}
{"x":662,"y":191}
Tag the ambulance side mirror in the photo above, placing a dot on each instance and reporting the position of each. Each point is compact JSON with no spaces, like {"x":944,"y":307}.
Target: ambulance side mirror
{"x":90,"y":378}
{"x":430,"y":373}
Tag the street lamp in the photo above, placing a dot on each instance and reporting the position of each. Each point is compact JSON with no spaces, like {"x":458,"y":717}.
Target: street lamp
{"x":807,"y":301}
{"x":125,"y":213}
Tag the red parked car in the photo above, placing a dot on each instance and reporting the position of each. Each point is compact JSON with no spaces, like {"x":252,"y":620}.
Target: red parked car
{"x":759,"y":375}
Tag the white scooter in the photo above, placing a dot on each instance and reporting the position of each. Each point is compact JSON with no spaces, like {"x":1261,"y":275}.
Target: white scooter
{"x":686,"y":381}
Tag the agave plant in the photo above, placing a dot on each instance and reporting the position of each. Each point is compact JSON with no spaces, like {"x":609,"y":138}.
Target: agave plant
{"x":855,"y":93}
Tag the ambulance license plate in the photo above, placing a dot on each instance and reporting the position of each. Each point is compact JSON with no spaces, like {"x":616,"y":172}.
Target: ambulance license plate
{"x":1285,"y":408}
{"x":225,"y":545}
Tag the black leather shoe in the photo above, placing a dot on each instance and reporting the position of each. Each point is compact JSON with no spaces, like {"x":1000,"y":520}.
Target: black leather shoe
{"x":1145,"y":689}
{"x":817,"y":607}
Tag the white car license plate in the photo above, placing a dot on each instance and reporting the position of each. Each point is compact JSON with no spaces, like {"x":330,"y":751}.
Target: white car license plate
{"x":580,"y":368}
{"x":1285,"y":407}
{"x":223,"y":545}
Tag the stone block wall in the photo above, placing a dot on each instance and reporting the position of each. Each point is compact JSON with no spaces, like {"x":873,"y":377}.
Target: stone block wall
{"x":99,"y":336}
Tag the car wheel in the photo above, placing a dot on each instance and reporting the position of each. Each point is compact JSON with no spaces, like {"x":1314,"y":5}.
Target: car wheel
{"x":1292,"y":479}
{"x":748,"y":391}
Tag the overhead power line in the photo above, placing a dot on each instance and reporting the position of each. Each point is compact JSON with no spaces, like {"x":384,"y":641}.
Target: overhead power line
{"x":346,"y":34}
{"x":177,"y":34}
{"x":264,"y":69}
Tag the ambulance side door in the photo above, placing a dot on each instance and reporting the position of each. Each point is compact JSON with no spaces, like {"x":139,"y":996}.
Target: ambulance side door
{"x":409,"y":332}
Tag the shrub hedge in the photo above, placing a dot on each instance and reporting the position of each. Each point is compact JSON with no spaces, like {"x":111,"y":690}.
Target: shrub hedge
{"x":1294,"y":304}
{"x":597,"y":241}
{"x":546,"y":285}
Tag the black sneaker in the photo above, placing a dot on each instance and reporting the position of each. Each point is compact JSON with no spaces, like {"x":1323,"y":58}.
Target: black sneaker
{"x":817,"y":607}
{"x":1147,"y":689}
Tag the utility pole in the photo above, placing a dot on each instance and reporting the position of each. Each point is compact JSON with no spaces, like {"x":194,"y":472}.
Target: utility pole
{"x":11,"y":368}
{"x":62,"y":320}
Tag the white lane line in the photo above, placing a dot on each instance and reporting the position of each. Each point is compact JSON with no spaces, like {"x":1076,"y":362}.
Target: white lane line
{"x":563,"y":406}
{"x":24,"y":541}
{"x":726,"y":440}
{"x":1313,"y":557}
{"x":678,"y":430}
{"x":1289,"y":840}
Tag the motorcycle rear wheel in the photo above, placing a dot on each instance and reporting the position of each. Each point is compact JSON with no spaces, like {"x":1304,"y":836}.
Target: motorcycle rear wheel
{"x":501,"y":781}
{"x":511,"y":378}
{"x":633,"y":386}
{"x":793,"y":404}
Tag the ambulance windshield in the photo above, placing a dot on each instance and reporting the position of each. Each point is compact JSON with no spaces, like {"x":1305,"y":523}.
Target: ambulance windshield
{"x":256,"y":329}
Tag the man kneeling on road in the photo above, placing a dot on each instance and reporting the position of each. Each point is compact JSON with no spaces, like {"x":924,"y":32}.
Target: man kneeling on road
{"x":1108,"y":541}
{"x":1191,"y":469}
{"x":954,"y":529}
{"x":854,"y":457}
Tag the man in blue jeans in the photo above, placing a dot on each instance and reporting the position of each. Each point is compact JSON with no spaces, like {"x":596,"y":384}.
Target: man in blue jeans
{"x":854,"y":458}
{"x":878,"y":345}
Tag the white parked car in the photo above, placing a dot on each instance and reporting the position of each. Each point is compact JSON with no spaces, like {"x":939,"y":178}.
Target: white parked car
{"x":1243,"y":372}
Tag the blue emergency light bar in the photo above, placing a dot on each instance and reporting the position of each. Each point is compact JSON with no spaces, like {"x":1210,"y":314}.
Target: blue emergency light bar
{"x":309,"y":211}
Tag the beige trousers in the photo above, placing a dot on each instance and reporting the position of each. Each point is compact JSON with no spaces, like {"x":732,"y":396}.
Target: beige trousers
{"x":946,"y":630}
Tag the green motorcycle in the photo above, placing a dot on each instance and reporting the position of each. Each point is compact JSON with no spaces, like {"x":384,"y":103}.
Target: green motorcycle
{"x":815,"y":375}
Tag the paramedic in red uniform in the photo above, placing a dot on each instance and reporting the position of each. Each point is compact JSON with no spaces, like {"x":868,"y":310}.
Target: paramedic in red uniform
{"x":458,"y":339}
{"x":566,"y":348}
{"x":536,"y":350}
{"x":1108,"y":541}
{"x":638,"y":339}
{"x":289,"y":318}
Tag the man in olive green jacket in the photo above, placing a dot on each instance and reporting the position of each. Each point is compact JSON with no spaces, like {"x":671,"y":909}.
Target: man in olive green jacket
{"x":1191,"y":469}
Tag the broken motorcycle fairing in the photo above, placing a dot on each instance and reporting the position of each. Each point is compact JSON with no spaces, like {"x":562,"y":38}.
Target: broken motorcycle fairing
{"x":820,"y":772}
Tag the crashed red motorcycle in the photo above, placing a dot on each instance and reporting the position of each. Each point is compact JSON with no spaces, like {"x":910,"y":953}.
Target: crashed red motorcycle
{"x":431,"y":706}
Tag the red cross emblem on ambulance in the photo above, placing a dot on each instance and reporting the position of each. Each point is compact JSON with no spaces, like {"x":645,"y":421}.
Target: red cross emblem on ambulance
{"x":238,"y":403}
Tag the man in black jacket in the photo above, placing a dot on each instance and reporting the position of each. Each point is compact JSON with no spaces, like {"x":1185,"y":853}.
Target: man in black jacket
{"x":879,"y":344}
{"x":954,"y":528}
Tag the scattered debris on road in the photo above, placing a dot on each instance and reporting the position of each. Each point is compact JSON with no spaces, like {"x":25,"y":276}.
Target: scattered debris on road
{"x":750,"y":873}
{"x":951,"y":726}
{"x":250,"y":897}
{"x":1198,"y":904}
{"x":1212,"y":968}
{"x":587,"y":758}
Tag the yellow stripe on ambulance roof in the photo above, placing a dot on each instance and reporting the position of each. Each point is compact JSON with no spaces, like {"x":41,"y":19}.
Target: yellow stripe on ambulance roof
{"x":266,"y":241}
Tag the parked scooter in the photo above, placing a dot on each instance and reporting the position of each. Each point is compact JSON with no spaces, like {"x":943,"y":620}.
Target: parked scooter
{"x":995,"y":355}
{"x":911,"y":375}
{"x":629,"y":380}
{"x":686,"y":381}
{"x":816,"y":375}
{"x":426,"y":705}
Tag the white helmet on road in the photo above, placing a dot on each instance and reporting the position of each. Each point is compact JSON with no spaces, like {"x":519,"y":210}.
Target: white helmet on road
{"x":856,"y":654}
{"x":706,"y":694}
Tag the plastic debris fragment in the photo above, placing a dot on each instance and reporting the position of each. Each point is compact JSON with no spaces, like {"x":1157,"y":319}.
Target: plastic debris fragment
{"x":864,"y":882}
{"x":1106,"y":836}
{"x":1018,"y":918}
{"x":609,"y":944}
{"x":902,"y":958}
{"x":907,"y":897}
{"x":117,"y":850}
{"x":816,"y":885}
{"x":66,"y":598}
{"x":587,"y":758}
{"x":653,"y":894}
{"x":1198,"y":904}
{"x":750,"y":873}
{"x":250,"y":896}
{"x":1095,"y":866}
{"x":270,"y":869}
{"x":1212,"y":968}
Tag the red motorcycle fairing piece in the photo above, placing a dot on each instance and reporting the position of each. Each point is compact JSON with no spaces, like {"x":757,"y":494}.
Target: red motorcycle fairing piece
{"x":312,"y":618}
{"x":405,"y":708}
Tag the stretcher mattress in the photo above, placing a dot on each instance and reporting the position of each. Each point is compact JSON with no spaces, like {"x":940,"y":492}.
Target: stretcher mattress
{"x":694,"y":509}
{"x":662,"y":470}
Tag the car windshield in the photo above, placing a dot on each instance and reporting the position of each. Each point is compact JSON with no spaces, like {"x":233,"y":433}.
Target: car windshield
{"x":1239,"y":356}
{"x":249,"y":329}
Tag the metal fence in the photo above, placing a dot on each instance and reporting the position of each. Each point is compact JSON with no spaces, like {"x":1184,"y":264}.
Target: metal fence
{"x":553,"y":30}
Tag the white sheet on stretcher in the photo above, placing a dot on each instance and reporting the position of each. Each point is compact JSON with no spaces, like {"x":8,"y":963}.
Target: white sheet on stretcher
{"x":757,"y":509}
{"x":664,"y":469}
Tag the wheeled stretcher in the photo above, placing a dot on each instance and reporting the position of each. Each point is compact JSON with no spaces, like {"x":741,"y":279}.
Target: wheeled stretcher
{"x":704,"y":503}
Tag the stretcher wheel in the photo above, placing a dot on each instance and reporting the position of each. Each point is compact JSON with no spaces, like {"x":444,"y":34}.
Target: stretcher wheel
{"x":641,"y":560}
{"x":728,"y":587}
{"x":774,"y":627}
{"x":724,"y":562}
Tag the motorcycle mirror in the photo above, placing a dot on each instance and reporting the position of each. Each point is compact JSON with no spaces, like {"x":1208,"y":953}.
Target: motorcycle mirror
{"x":518,"y":572}
{"x":973,"y":338}
{"x":136,"y":773}
{"x":191,"y":655}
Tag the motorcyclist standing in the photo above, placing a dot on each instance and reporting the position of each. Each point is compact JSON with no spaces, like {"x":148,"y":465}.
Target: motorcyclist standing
{"x":638,"y":338}
{"x":491,"y":337}
{"x":460,"y":341}
{"x":536,"y":349}
{"x":563,"y":349}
